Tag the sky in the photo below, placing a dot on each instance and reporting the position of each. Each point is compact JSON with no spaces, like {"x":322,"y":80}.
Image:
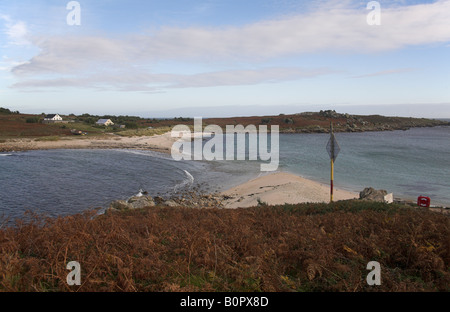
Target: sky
{"x":223,"y":58}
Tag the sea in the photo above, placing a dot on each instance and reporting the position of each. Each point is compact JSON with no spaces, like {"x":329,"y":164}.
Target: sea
{"x":55,"y":183}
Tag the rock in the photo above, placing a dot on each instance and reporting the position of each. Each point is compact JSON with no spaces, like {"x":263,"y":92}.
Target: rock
{"x":143,"y":202}
{"x":119,"y":205}
{"x":158,"y":199}
{"x":170,"y":203}
{"x":134,"y":199}
{"x":369,"y":193}
{"x":329,"y":114}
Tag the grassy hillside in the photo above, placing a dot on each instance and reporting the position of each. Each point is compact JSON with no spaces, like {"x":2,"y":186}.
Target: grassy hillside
{"x":305,"y":247}
{"x":15,"y":125}
{"x":319,"y":122}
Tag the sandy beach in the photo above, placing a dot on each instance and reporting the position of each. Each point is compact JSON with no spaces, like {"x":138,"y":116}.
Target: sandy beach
{"x":160,"y":143}
{"x":280,"y":188}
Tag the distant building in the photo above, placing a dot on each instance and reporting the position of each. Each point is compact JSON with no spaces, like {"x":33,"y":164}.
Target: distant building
{"x":105,"y":122}
{"x":53,"y":118}
{"x":119,"y":126}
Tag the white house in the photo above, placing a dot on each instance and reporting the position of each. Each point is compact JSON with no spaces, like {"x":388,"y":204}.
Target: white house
{"x":53,"y":118}
{"x":105,"y":122}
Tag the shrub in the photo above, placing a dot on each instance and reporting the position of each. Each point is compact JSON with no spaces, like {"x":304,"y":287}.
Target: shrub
{"x":288,"y":121}
{"x":6,"y":111}
{"x":131,"y":125}
{"x":33,"y":120}
{"x":305,"y":247}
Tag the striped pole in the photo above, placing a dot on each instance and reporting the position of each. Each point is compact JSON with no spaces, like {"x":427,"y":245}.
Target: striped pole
{"x":332,"y":161}
{"x":332,"y":178}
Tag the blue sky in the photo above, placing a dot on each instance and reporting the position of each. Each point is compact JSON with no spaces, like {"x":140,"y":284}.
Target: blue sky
{"x":225,"y":57}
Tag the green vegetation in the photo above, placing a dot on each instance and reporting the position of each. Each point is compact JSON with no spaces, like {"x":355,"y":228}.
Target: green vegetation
{"x":6,"y":111}
{"x":304,"y":247}
{"x":118,"y":120}
{"x":35,"y":119}
{"x":288,"y":121}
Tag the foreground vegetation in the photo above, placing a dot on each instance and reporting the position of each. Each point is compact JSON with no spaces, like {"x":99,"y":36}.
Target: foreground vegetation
{"x":304,"y":247}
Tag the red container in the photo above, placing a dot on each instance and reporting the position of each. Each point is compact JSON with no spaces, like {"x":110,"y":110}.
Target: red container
{"x":424,"y":201}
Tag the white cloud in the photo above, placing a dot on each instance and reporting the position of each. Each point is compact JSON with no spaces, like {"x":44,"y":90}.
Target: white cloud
{"x":332,"y":27}
{"x":16,"y":31}
{"x":6,"y":63}
{"x":386,"y":72}
{"x":140,"y":81}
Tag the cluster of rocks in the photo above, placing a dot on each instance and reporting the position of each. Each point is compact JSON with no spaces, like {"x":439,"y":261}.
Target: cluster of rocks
{"x":330,"y":114}
{"x":371,"y":194}
{"x":188,"y":200}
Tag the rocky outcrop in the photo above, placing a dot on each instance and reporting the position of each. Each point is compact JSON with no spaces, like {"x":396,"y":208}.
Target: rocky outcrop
{"x":189,"y":200}
{"x":141,"y":202}
{"x":119,"y":205}
{"x":369,"y":193}
{"x":137,"y":202}
{"x":329,"y":114}
{"x":170,"y":203}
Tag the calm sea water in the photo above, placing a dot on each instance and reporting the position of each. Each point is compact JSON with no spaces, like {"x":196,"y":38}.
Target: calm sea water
{"x":60,"y":182}
{"x":407,"y":163}
{"x":63,"y":182}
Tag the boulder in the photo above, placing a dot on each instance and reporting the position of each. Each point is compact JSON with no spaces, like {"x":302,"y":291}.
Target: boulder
{"x":329,"y":114}
{"x":158,"y":199}
{"x":134,"y":199}
{"x":142,"y":202}
{"x":170,"y":203}
{"x":119,"y":205}
{"x":369,"y":193}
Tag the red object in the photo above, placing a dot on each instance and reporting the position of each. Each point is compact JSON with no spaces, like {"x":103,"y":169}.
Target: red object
{"x":423,"y":201}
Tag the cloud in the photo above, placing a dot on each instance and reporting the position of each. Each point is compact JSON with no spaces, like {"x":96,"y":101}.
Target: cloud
{"x":16,"y":31}
{"x":330,"y":27}
{"x":141,"y":81}
{"x":65,"y":55}
{"x":386,"y":72}
{"x":7,"y":63}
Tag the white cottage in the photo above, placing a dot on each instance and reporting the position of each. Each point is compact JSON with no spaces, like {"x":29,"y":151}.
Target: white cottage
{"x":105,"y":122}
{"x":53,"y":118}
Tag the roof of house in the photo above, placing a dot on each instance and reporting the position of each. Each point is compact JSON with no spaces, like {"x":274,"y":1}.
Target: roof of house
{"x":51,"y":116}
{"x":103,"y":120}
